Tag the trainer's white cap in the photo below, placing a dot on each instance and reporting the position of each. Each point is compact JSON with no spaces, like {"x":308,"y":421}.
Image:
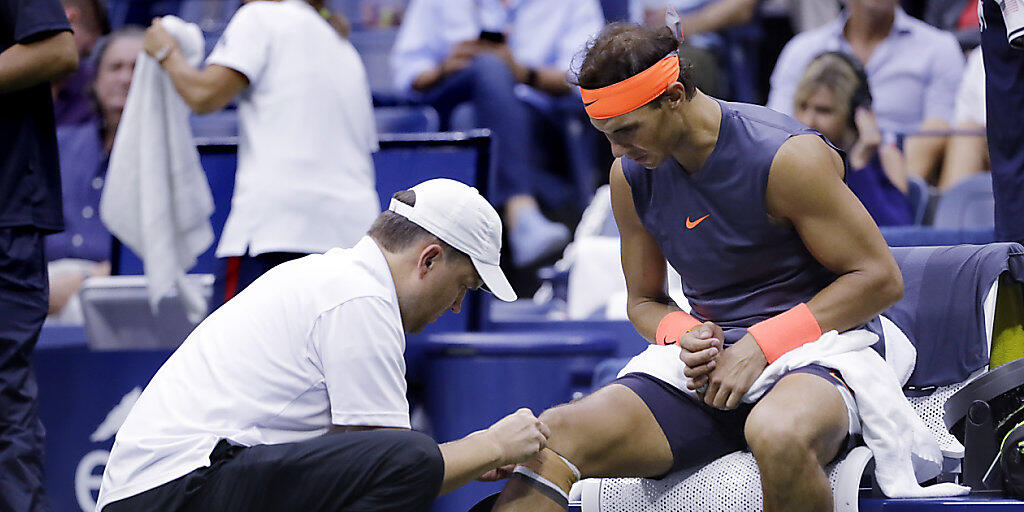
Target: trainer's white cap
{"x":457,"y":214}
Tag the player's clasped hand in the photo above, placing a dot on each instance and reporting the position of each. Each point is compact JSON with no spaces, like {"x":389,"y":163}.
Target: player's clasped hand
{"x":736,"y":370}
{"x":700,"y":348}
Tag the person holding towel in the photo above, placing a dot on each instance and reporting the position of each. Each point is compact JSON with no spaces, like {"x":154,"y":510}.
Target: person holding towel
{"x":305,"y":178}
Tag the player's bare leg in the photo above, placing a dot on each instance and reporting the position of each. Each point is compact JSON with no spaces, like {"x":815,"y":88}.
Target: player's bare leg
{"x":795,"y":430}
{"x":606,"y":434}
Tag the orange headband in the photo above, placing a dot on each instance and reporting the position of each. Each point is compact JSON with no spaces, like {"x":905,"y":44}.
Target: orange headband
{"x":633,"y":92}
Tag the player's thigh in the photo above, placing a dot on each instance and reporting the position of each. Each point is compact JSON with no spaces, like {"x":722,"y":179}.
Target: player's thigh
{"x":610,"y":432}
{"x":803,"y":410}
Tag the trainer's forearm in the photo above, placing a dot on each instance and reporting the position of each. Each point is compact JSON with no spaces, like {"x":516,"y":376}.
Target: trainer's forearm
{"x":467,"y":459}
{"x":25,"y":65}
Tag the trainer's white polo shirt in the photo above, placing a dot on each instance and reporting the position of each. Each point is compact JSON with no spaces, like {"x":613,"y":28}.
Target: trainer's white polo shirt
{"x":313,"y":342}
{"x":305,"y":180}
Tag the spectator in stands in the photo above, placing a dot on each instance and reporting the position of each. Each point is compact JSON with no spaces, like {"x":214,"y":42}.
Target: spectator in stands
{"x":72,"y":102}
{"x":36,"y":47}
{"x":700,"y":21}
{"x":498,"y":55}
{"x":305,"y":179}
{"x":913,"y":69}
{"x":967,"y":151}
{"x":833,"y":97}
{"x":83,"y":249}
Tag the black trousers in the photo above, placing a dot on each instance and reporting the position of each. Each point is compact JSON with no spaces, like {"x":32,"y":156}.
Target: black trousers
{"x":379,"y":470}
{"x":24,"y":295}
{"x":1004,"y":100}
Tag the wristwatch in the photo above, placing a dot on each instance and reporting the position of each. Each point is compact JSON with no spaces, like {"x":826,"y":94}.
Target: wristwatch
{"x":164,"y":52}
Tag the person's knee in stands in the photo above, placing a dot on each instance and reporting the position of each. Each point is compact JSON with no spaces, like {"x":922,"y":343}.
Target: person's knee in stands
{"x":491,"y":70}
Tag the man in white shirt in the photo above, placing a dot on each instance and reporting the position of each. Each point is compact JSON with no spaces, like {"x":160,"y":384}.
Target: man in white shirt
{"x":501,"y":56}
{"x":305,"y":179}
{"x":243,"y":415}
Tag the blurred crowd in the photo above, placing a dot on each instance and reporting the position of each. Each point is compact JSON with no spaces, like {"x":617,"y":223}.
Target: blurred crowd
{"x":897,"y":85}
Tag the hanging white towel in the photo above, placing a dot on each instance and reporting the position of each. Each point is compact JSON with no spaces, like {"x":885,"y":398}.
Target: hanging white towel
{"x":156,"y":199}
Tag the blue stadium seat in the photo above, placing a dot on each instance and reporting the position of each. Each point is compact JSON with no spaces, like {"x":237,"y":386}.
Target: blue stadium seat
{"x":214,"y":126}
{"x":406,"y":119}
{"x":905,"y":236}
{"x":967,"y":205}
{"x":615,"y":10}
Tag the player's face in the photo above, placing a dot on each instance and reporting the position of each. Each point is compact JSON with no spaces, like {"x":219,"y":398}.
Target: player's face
{"x":638,"y":135}
{"x":822,"y":112}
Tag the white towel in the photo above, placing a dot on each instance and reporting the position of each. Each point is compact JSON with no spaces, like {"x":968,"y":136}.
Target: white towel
{"x":156,"y":199}
{"x":905,"y":450}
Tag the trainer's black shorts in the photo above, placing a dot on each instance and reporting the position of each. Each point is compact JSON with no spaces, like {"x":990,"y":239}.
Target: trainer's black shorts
{"x":378,"y":470}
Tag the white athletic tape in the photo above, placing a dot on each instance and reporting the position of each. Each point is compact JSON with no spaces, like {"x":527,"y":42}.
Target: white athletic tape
{"x":575,"y":470}
{"x":532,"y":475}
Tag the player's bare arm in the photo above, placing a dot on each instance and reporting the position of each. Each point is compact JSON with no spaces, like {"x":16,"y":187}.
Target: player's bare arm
{"x":648,"y":302}
{"x":806,"y":190}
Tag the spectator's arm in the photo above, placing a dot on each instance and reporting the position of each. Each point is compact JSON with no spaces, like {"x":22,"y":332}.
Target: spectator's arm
{"x":415,"y":59}
{"x":25,"y":65}
{"x":719,"y":16}
{"x":207,"y":90}
{"x":788,"y":70}
{"x":945,"y":74}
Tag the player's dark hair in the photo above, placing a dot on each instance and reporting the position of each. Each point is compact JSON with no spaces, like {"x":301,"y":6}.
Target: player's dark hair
{"x":395,"y":233}
{"x":622,"y":50}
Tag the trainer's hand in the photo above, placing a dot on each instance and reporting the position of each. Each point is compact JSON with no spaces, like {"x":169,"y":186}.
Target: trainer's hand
{"x":700,"y":347}
{"x":519,"y":436}
{"x":738,"y":367}
{"x":497,"y":474}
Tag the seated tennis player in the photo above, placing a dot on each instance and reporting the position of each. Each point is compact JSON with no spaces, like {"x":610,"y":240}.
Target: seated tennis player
{"x":750,"y":207}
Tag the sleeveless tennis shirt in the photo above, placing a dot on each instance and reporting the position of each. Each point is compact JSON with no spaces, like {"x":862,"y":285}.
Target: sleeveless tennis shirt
{"x":737,"y":266}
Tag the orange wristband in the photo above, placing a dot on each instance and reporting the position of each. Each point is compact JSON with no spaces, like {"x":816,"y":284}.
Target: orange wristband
{"x":673,"y":326}
{"x":786,"y":331}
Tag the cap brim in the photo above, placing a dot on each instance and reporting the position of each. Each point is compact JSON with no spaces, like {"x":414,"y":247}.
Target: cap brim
{"x":495,"y":281}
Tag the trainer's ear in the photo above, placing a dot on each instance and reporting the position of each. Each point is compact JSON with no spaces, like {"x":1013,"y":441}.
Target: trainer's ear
{"x":430,"y":258}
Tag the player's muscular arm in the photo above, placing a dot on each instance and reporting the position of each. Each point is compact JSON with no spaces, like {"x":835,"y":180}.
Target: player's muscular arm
{"x":642,"y":261}
{"x":805,"y":188}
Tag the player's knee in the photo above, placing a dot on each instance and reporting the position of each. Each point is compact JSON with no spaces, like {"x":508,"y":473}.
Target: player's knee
{"x":491,"y":70}
{"x":775,"y":438}
{"x":566,"y":439}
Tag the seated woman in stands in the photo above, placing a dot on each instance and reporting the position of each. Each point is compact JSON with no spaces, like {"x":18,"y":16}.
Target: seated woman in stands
{"x":833,"y":98}
{"x":83,"y":249}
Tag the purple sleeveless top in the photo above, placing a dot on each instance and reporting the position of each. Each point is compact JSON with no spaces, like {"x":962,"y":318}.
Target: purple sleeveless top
{"x":737,"y":266}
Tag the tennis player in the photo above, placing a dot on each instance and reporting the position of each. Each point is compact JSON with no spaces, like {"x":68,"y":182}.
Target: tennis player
{"x":750,"y":207}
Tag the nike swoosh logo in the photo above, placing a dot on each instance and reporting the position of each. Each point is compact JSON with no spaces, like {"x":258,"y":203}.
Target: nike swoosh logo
{"x":690,"y":224}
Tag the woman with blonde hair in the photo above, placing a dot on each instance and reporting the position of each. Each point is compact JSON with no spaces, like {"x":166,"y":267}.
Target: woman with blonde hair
{"x":833,"y":98}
